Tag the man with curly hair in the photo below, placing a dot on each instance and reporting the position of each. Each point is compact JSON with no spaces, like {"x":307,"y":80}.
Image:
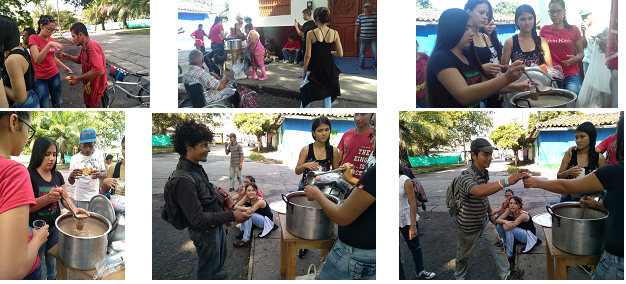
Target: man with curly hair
{"x":202,"y":203}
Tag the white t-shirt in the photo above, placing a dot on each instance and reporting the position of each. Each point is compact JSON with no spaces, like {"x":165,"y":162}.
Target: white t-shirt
{"x":87,"y":187}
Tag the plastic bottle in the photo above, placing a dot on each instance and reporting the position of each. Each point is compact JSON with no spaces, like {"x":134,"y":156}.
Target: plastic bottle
{"x":110,"y":264}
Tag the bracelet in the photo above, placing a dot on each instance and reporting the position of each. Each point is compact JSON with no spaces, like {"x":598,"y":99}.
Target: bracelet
{"x":500,"y":183}
{"x":506,"y":181}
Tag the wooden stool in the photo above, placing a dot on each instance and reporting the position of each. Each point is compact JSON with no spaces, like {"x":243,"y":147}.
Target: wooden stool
{"x":563,"y":259}
{"x":85,"y":274}
{"x":289,"y":245}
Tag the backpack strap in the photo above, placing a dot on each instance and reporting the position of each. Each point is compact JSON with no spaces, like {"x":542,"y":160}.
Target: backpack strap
{"x":191,"y":172}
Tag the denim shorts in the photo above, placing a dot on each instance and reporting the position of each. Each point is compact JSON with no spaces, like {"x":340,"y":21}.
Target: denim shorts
{"x":344,"y":262}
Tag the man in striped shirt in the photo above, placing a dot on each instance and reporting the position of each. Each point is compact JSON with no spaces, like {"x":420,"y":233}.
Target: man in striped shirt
{"x":472,"y":221}
{"x":366,"y":26}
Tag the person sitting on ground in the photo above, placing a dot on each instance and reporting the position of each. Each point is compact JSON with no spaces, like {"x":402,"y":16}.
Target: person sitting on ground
{"x":521,"y":228}
{"x":291,"y":49}
{"x":211,"y":82}
{"x":261,"y":215}
{"x":241,"y":192}
{"x":505,"y":205}
{"x":269,"y":51}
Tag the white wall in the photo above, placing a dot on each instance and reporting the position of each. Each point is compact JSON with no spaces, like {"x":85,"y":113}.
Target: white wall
{"x":251,"y":8}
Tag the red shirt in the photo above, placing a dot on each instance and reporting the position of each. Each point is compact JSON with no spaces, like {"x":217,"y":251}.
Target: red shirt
{"x":46,"y":68}
{"x":420,"y":78}
{"x":295,"y":44}
{"x":199,"y":36}
{"x":356,"y":150}
{"x":16,"y":190}
{"x":562,"y":43}
{"x":91,"y":58}
{"x":215,"y":34}
{"x":608,"y":145}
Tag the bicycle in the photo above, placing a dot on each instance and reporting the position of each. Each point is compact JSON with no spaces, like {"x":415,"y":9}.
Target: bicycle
{"x":142,"y":95}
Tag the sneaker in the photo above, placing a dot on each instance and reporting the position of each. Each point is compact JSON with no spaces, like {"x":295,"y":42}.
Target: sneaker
{"x":515,"y":275}
{"x":361,"y":67}
{"x":286,"y":60}
{"x":253,"y":76}
{"x":231,"y":189}
{"x":239,"y":236}
{"x":302,"y":63}
{"x":586,"y":268}
{"x":295,"y":62}
{"x":241,"y":243}
{"x":262,"y":77}
{"x":221,"y":275}
{"x":426,"y":275}
{"x":302,"y":252}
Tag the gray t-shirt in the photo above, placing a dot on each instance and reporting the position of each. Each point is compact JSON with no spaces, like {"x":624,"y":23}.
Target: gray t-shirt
{"x":473,"y":214}
{"x":235,"y":151}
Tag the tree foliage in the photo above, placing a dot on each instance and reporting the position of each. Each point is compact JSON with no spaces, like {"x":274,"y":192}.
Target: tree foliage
{"x":15,"y":9}
{"x":257,"y":124}
{"x":423,"y":4}
{"x":506,"y":8}
{"x":541,"y":116}
{"x":162,"y":121}
{"x":510,"y":136}
{"x":99,"y":11}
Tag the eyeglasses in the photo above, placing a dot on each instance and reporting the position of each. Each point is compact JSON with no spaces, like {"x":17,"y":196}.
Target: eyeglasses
{"x":553,"y":12}
{"x":371,"y":125}
{"x":31,"y":130}
{"x":49,"y":29}
{"x":491,"y":25}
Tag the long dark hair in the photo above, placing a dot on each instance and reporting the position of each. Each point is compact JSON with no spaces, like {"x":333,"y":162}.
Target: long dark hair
{"x":536,"y":38}
{"x":316,"y":123}
{"x":619,"y":141}
{"x":562,"y":3}
{"x":40,"y":147}
{"x":497,"y":45}
{"x":217,"y":20}
{"x":44,"y":20}
{"x":590,"y":129}
{"x":471,"y":4}
{"x":518,"y":200}
{"x":9,"y":36}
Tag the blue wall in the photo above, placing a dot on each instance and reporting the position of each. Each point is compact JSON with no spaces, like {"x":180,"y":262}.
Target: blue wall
{"x":296,"y":133}
{"x":426,"y":36}
{"x":553,"y":144}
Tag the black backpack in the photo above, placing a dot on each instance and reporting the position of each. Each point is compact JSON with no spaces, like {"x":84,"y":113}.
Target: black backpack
{"x":171,"y":211}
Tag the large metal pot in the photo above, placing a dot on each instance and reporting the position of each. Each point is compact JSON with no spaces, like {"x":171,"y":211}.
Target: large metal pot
{"x":556,"y":98}
{"x":574,"y":235}
{"x":234,"y":43}
{"x":306,"y":219}
{"x":82,"y":252}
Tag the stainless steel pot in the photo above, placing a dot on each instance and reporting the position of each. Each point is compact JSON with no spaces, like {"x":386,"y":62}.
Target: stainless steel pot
{"x":556,"y":98}
{"x":234,"y":43}
{"x":120,"y":231}
{"x":306,"y":219}
{"x":82,"y":252}
{"x":574,"y":235}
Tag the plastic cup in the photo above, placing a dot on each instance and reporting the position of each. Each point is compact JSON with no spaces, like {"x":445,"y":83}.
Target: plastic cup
{"x":582,"y":172}
{"x":38,"y":224}
{"x":533,"y":94}
{"x":80,"y":223}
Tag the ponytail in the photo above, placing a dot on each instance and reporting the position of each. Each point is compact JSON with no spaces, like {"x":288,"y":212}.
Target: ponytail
{"x":44,"y":20}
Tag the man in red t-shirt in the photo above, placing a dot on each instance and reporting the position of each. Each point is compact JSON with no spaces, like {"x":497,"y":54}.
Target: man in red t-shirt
{"x":354,"y":146}
{"x":420,"y":78}
{"x":198,"y":35}
{"x":93,"y":62}
{"x":291,"y":48}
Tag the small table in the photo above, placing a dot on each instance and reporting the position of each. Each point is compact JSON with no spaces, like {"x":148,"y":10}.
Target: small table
{"x":234,"y":52}
{"x":563,"y":259}
{"x":289,"y":245}
{"x":85,"y":274}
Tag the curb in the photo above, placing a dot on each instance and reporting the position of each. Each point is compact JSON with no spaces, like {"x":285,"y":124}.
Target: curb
{"x":251,"y":261}
{"x":438,"y":170}
{"x":282,"y":92}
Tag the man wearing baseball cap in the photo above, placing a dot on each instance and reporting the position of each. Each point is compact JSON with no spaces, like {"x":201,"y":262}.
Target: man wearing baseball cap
{"x":87,"y":186}
{"x":236,"y":160}
{"x":472,"y":221}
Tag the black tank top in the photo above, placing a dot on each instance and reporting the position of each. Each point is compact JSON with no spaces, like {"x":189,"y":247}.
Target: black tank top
{"x":528,"y":225}
{"x":325,"y":165}
{"x":29,"y":76}
{"x":484,"y":53}
{"x":591,"y":166}
{"x":528,"y":58}
{"x":116,"y":171}
{"x":267,"y":212}
{"x":320,"y":50}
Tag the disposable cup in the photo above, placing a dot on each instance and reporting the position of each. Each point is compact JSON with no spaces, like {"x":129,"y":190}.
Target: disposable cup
{"x":38,"y":224}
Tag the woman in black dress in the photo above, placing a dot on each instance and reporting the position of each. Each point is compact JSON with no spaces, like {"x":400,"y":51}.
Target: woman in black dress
{"x":321,"y":75}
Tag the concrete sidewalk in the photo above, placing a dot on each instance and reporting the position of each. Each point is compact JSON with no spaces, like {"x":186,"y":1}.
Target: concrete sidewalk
{"x":283,"y":81}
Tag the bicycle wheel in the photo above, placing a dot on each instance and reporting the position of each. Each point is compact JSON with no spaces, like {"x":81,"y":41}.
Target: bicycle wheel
{"x":108,"y":96}
{"x":144,"y":91}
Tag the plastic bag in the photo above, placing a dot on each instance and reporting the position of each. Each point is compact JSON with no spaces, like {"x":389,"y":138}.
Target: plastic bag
{"x":595,"y":91}
{"x":238,"y":69}
{"x":556,"y":71}
{"x":119,"y":203}
{"x":110,"y":264}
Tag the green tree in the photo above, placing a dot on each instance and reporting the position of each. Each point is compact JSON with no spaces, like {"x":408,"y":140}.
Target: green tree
{"x":257,"y":124}
{"x":162,"y":121}
{"x":511,"y":136}
{"x":468,"y":124}
{"x":541,"y":116}
{"x":66,"y":19}
{"x":132,"y":9}
{"x":14,"y":9}
{"x":421,"y":131}
{"x":506,"y":8}
{"x":80,"y":3}
{"x":423,"y":4}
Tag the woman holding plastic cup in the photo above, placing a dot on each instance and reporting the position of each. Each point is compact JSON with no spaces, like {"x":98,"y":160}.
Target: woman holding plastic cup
{"x":48,"y":185}
{"x":18,"y":259}
{"x":581,"y":159}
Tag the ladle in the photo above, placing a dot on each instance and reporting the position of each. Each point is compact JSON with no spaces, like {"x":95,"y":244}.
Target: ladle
{"x":582,"y":215}
{"x":531,"y":81}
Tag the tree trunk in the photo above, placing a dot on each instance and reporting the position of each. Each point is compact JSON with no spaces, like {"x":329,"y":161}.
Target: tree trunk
{"x":60,"y":150}
{"x":259,"y":142}
{"x":404,"y":156}
{"x":516,"y":159}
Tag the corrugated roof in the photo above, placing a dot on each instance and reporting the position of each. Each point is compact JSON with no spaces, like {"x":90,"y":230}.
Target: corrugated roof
{"x":572,"y":121}
{"x":280,"y":118}
{"x":191,"y":8}
{"x":432,"y":16}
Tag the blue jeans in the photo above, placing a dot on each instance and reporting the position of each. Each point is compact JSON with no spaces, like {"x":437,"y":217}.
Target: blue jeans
{"x":212,"y":251}
{"x":571,"y":83}
{"x":326,"y":103}
{"x":36,"y":274}
{"x":344,"y":262}
{"x":234,"y":171}
{"x":510,"y":236}
{"x":32,"y":101}
{"x":414,"y":247}
{"x":287,"y":54}
{"x":610,"y":267}
{"x":363,"y":42}
{"x":49,"y":87}
{"x":50,"y":261}
{"x":256,"y":219}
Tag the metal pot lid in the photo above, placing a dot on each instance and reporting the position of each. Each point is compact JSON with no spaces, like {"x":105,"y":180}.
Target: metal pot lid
{"x":543,"y":219}
{"x":279,"y":206}
{"x":101,"y":205}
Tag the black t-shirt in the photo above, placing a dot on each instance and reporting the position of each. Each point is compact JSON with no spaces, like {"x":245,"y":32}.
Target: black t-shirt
{"x":41,"y":187}
{"x":612,"y":179}
{"x":362,"y":232}
{"x":438,"y":95}
{"x":308,"y":26}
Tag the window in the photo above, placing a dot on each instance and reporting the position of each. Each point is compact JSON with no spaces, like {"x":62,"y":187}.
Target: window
{"x":269,"y":8}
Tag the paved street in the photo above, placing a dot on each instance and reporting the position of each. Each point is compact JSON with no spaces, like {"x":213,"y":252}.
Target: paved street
{"x":438,"y":238}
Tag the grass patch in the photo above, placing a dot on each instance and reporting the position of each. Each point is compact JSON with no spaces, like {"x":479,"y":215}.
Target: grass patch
{"x":511,"y":170}
{"x":426,"y":169}
{"x":162,"y":149}
{"x":134,"y":32}
{"x":67,"y":165}
{"x":256,"y":157}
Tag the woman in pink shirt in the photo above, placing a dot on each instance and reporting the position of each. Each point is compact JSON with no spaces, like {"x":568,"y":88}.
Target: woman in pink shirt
{"x":42,"y":48}
{"x":562,"y":38}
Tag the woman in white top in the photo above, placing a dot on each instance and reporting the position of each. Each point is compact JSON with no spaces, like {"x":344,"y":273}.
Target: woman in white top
{"x":408,"y":226}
